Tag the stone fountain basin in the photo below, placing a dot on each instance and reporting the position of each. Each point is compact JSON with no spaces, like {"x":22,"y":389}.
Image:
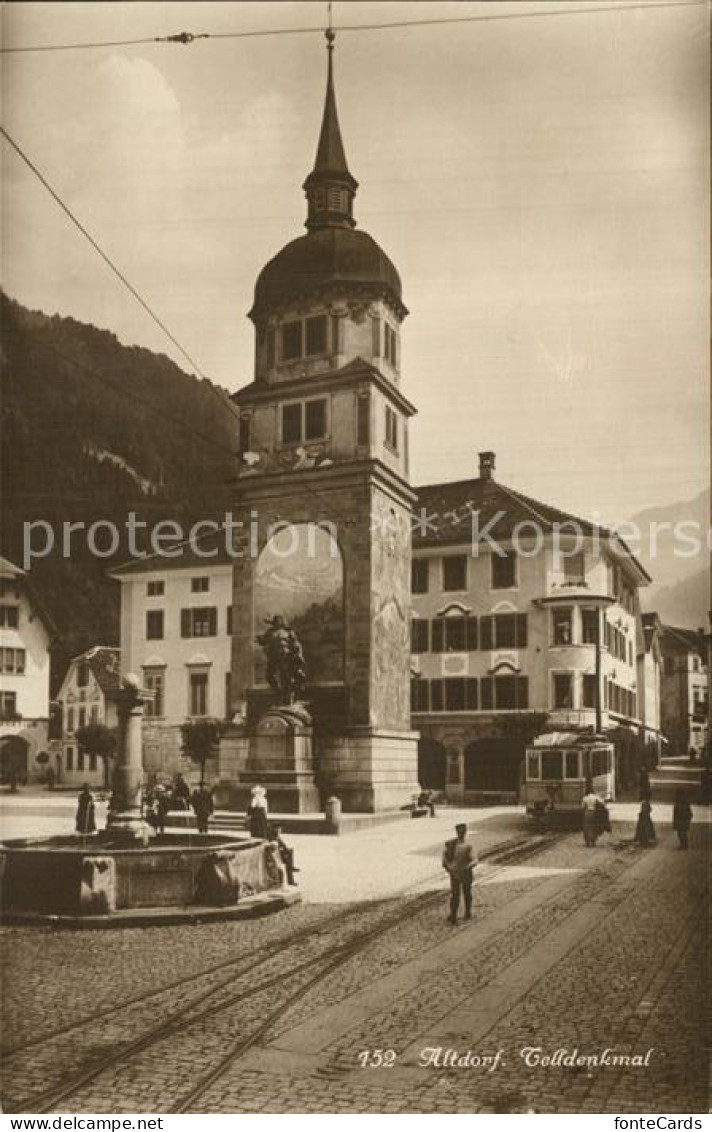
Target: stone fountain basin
{"x":99,"y":876}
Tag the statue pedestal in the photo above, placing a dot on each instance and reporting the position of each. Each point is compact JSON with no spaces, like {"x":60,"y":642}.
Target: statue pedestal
{"x":280,"y":759}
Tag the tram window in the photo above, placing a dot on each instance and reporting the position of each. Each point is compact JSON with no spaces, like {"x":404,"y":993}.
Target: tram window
{"x":551,"y":764}
{"x":571,"y":764}
{"x":600,"y":762}
{"x":533,"y":769}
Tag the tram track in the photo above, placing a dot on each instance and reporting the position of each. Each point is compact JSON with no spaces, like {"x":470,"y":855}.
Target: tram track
{"x":196,"y":1010}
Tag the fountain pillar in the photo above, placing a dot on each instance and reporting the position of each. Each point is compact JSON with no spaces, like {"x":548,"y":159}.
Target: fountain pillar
{"x":125,"y":820}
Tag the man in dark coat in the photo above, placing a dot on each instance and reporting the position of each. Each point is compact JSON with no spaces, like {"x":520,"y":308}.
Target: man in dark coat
{"x":203,"y":805}
{"x":86,"y":818}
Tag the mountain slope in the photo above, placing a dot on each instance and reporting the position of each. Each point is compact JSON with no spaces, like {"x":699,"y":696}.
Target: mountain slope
{"x":674,"y":549}
{"x":92,"y":431}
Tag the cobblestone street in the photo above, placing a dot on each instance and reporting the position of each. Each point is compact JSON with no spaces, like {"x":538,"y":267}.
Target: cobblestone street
{"x":570,"y":949}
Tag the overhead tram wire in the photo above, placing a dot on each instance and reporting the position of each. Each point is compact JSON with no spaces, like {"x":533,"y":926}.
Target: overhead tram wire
{"x":187,"y":38}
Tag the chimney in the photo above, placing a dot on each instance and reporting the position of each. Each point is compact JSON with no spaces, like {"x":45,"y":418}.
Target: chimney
{"x":486,"y":465}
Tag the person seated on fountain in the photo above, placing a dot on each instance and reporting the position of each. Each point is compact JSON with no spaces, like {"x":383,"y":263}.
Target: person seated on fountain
{"x":286,"y":854}
{"x":257,"y":813}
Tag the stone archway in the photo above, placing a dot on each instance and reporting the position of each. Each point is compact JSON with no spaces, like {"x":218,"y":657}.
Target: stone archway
{"x":432,"y":764}
{"x":14,"y":759}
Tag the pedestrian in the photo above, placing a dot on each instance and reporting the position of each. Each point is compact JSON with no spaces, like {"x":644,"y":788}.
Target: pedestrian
{"x":257,"y":813}
{"x":86,"y":813}
{"x":161,"y":808}
{"x":286,"y":855}
{"x":682,"y":817}
{"x":425,"y":799}
{"x":459,"y":859}
{"x":643,"y":784}
{"x":202,"y":801}
{"x":591,"y":822}
{"x":645,"y":830}
{"x":181,"y":793}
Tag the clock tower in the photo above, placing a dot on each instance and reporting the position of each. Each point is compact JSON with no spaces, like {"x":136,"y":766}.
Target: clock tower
{"x":324,"y":503}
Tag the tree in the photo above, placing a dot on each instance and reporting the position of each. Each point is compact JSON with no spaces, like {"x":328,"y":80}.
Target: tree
{"x":201,"y":738}
{"x":97,"y":739}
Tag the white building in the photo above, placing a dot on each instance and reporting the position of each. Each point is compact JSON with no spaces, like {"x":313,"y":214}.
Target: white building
{"x":650,"y":663}
{"x":26,"y":633}
{"x":504,"y":643}
{"x":87,"y":695}
{"x":176,"y":625}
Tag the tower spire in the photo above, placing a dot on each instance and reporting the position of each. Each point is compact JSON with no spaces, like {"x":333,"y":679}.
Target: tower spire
{"x":330,"y":188}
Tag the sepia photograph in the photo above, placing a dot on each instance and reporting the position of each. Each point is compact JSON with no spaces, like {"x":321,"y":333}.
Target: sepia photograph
{"x":355,"y":612}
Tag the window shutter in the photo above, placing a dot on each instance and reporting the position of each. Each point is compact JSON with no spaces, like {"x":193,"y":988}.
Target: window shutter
{"x":436,"y":635}
{"x":185,"y":623}
{"x":523,"y":692}
{"x":486,"y":632}
{"x":436,"y":695}
{"x":486,"y":687}
{"x":471,"y":694}
{"x":521,"y":630}
{"x":471,"y":634}
{"x":213,"y":622}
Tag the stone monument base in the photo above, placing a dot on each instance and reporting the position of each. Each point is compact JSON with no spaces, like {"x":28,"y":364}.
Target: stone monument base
{"x":279,"y":757}
{"x":370,"y":769}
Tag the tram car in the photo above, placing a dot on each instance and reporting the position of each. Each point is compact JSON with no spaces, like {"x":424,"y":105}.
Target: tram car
{"x":557,"y":768}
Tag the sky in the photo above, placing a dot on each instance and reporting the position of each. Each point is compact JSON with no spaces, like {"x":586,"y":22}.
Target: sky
{"x":540,"y":182}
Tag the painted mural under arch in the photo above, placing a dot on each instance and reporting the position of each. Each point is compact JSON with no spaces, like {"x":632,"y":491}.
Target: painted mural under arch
{"x":300,"y":576}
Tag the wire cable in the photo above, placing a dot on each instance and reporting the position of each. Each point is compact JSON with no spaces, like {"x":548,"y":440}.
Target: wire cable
{"x":119,"y":274}
{"x":186,"y":37}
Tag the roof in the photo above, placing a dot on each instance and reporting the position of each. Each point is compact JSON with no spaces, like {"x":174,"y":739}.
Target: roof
{"x":444,"y":515}
{"x":320,"y":260}
{"x":105,"y":665}
{"x":684,"y":640}
{"x":330,"y":155}
{"x":201,"y":553}
{"x":9,"y":570}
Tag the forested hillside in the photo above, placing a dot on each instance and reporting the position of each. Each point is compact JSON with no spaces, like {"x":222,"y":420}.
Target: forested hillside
{"x":92,"y":430}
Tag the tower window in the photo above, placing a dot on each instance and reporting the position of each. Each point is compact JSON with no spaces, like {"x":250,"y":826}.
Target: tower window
{"x":315,"y":419}
{"x":304,"y":420}
{"x":391,"y":345}
{"x":316,"y":335}
{"x":336,"y":200}
{"x":291,"y":341}
{"x":391,"y":429}
{"x":244,"y":442}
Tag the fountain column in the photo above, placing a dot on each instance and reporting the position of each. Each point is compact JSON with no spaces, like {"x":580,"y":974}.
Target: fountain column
{"x":125,"y":820}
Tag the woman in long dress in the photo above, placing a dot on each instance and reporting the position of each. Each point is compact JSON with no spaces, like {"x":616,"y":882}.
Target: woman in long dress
{"x":257,"y":813}
{"x":86,"y":819}
{"x":645,"y":830}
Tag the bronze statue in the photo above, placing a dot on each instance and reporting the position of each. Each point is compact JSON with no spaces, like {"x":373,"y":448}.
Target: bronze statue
{"x":286,"y":674}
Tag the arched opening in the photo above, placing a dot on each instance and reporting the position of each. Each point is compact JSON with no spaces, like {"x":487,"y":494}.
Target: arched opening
{"x":14,"y":759}
{"x":493,"y":765}
{"x":432,"y":764}
{"x":300,"y":577}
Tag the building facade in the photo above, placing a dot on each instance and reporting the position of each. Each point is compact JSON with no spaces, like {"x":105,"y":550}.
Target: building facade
{"x":176,"y":631}
{"x":650,"y":669}
{"x":685,"y":706}
{"x":26,"y":633}
{"x":531,"y":624}
{"x":87,"y":695}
